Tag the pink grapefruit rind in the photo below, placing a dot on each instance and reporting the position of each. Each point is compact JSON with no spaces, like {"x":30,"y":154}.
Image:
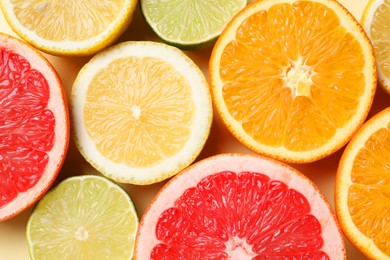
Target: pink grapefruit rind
{"x":333,"y":240}
{"x":58,"y":105}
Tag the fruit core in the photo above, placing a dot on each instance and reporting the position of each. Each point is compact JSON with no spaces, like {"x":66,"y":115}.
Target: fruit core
{"x":237,"y":247}
{"x":298,"y":78}
{"x":82,"y":233}
{"x":239,"y":216}
{"x":281,"y":71}
{"x":136,"y":111}
{"x":26,"y":125}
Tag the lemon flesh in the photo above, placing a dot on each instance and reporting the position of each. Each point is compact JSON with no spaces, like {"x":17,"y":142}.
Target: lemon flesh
{"x":142,"y":112}
{"x":69,"y":27}
{"x":376,"y":20}
{"x":156,"y":109}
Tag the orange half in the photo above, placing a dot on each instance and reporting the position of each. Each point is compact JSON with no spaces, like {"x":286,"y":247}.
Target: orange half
{"x":293,"y":79}
{"x":362,"y":191}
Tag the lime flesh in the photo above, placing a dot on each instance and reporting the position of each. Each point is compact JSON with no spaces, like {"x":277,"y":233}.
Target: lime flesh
{"x":84,"y":217}
{"x":189,"y":24}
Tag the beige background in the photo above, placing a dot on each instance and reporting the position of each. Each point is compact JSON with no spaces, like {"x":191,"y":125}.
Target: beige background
{"x":12,"y":232}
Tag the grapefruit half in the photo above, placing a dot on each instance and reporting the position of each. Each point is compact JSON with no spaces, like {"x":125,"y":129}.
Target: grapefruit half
{"x":34,"y":125}
{"x":236,"y":206}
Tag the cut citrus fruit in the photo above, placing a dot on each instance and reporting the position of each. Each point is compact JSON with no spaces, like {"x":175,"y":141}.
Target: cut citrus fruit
{"x":142,"y":112}
{"x":362,"y":188}
{"x":83,"y":217}
{"x":189,"y":24}
{"x":69,"y":27}
{"x":34,"y":126}
{"x":236,"y":206}
{"x":376,"y":20}
{"x":293,"y":79}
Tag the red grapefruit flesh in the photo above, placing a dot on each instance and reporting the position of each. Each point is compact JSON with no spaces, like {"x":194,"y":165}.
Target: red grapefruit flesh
{"x":235,"y":206}
{"x":34,"y":126}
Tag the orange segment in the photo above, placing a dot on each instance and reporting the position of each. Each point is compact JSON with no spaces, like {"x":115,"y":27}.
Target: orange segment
{"x":362,"y":188}
{"x":293,"y":79}
{"x":371,"y":163}
{"x":162,"y":115}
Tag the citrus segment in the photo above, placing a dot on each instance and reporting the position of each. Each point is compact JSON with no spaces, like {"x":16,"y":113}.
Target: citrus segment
{"x":293,"y":79}
{"x":362,"y":188}
{"x":189,"y":24}
{"x":71,"y":27}
{"x":84,"y":217}
{"x":376,"y":19}
{"x":234,"y":206}
{"x":142,"y":112}
{"x":34,"y":125}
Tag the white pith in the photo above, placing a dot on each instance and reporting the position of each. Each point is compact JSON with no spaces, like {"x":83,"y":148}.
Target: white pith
{"x":238,"y":248}
{"x":298,"y":78}
{"x":81,"y":234}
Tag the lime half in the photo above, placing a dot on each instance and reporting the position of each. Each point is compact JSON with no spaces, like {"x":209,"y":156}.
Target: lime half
{"x":189,"y":24}
{"x":84,"y":217}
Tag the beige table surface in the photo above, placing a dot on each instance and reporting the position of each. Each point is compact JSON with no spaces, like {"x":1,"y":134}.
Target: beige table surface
{"x":13,"y":244}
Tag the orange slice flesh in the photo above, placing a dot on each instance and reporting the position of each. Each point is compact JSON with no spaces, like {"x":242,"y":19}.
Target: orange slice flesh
{"x":293,"y":79}
{"x":362,"y":195}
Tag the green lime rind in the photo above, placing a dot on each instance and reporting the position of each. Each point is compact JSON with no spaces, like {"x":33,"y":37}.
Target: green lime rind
{"x":189,"y":24}
{"x":83,"y":217}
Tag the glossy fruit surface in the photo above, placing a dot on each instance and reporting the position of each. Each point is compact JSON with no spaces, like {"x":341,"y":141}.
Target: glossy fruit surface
{"x":376,"y":20}
{"x":189,"y":24}
{"x":34,"y":125}
{"x":293,"y":80}
{"x":142,"y":112}
{"x":83,"y":217}
{"x":234,"y":206}
{"x":362,"y":188}
{"x":69,"y":28}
